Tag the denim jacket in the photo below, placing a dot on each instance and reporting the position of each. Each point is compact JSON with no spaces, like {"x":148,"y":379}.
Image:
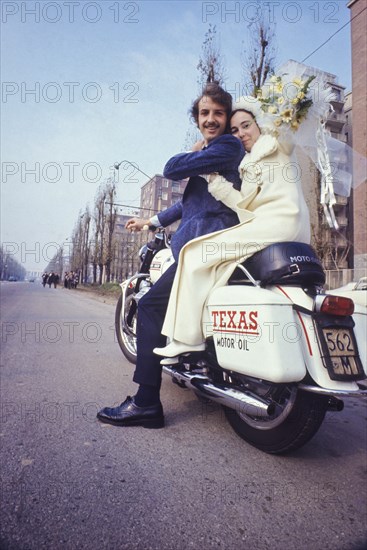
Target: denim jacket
{"x":199,"y":211}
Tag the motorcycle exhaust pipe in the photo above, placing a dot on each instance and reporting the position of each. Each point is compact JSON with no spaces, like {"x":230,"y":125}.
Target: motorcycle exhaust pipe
{"x":241,"y":402}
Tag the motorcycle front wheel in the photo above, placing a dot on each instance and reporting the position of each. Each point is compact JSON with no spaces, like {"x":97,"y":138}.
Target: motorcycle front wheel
{"x":126,"y":337}
{"x":297,"y":417}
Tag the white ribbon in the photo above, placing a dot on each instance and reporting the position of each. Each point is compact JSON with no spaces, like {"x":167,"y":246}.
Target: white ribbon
{"x":327,"y":198}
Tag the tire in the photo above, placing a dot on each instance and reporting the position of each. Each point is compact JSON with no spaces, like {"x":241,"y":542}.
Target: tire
{"x":126,"y":340}
{"x":297,"y":418}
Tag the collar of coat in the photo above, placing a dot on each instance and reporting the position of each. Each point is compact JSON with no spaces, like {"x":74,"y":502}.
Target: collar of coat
{"x":265,"y":145}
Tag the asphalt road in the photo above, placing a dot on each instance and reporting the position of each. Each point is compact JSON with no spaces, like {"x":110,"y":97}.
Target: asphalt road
{"x":70,"y":482}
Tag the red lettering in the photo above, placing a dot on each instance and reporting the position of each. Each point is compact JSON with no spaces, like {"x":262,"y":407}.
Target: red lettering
{"x":222,"y":316}
{"x":215,"y":315}
{"x":253,"y":320}
{"x":231,"y":323}
{"x":242,"y":320}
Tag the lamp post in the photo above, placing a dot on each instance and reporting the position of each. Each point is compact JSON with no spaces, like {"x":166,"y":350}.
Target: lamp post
{"x":129,"y":247}
{"x":118,"y":164}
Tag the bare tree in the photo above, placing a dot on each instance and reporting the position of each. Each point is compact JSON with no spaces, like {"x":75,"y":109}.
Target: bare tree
{"x":86,"y":243}
{"x":211,"y":69}
{"x":9,"y":267}
{"x":99,"y":224}
{"x":192,"y":136}
{"x":258,"y":55}
{"x":110,"y":225}
{"x":76,"y":257}
{"x":210,"y":64}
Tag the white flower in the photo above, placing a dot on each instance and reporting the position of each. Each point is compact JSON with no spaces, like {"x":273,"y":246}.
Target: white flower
{"x":290,"y":91}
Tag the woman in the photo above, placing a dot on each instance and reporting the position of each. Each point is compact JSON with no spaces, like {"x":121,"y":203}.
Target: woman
{"x":271,"y":208}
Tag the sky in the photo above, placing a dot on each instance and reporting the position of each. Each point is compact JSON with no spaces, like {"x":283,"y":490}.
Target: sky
{"x":86,"y":84}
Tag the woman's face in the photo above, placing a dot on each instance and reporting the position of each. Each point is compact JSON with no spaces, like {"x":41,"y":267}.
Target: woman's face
{"x":244,"y":127}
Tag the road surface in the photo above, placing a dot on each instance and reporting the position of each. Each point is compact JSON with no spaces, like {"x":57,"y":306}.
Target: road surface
{"x":69,"y":481}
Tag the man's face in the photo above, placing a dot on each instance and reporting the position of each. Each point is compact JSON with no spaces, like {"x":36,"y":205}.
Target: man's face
{"x":212,"y":119}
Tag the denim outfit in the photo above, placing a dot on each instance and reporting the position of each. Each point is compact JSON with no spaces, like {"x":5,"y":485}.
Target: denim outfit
{"x":200,"y":214}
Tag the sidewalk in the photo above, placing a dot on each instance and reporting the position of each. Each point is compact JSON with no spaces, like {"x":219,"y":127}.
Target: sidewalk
{"x":108,"y":295}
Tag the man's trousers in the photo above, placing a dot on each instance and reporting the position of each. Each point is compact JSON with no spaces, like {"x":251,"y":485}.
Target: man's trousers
{"x":152,"y":309}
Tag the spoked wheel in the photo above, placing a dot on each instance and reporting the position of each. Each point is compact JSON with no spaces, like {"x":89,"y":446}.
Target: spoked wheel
{"x":127,"y":336}
{"x":297,"y":417}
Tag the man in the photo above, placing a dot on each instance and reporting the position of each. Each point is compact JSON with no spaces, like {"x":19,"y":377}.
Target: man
{"x":200,"y":214}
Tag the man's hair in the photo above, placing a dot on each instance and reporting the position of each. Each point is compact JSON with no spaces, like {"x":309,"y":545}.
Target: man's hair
{"x":217,"y":94}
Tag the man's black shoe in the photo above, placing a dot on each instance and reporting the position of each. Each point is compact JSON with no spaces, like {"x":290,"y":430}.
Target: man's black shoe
{"x":129,"y":414}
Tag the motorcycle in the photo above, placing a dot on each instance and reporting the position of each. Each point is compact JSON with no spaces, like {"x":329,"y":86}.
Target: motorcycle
{"x":280,"y":352}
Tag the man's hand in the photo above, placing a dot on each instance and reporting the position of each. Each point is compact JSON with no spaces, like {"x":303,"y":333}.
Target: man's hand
{"x":137,"y":224}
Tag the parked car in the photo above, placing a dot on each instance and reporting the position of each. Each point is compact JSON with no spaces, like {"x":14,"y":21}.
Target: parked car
{"x":362,"y":284}
{"x":355,"y":290}
{"x":12,"y":279}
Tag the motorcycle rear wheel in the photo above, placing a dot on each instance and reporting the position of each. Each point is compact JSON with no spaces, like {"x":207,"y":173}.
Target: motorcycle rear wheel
{"x":297,"y":418}
{"x":126,"y":339}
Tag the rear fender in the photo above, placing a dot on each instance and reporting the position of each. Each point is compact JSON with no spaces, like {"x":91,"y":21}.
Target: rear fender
{"x":308,"y":338}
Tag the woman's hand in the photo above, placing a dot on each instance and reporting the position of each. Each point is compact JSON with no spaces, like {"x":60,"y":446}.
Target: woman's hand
{"x":137,"y":224}
{"x":211,"y":177}
{"x":198,"y":145}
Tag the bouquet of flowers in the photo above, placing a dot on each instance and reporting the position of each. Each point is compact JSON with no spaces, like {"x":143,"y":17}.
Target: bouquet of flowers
{"x":293,"y":107}
{"x":286,"y":102}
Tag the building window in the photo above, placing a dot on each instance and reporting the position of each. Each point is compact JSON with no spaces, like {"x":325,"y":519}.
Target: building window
{"x":337,"y":94}
{"x":164,"y":196}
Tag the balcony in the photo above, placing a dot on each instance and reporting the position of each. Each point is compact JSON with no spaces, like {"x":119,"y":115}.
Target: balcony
{"x":336,"y":121}
{"x":337,"y":103}
{"x":341,"y":201}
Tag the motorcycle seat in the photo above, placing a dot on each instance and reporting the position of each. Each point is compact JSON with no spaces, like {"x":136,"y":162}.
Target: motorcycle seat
{"x":291,"y":263}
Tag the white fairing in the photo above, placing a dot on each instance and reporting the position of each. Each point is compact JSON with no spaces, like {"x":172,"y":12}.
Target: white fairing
{"x":255,"y":333}
{"x":160,"y":263}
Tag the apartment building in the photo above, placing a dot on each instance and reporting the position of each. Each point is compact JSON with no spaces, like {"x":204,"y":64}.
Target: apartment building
{"x":333,"y":246}
{"x":160,"y":193}
{"x":157,"y":194}
{"x":358,"y":13}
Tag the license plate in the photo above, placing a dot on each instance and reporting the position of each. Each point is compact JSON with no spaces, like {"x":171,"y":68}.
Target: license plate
{"x":342,"y":359}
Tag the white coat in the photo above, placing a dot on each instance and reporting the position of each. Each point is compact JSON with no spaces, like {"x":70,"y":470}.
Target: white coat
{"x":271,"y":208}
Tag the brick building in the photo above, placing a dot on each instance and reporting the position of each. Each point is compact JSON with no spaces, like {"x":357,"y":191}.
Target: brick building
{"x":358,"y":14}
{"x":157,"y":194}
{"x":126,"y":246}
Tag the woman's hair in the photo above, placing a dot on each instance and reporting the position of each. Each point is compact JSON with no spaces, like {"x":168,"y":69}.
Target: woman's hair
{"x":217,"y":94}
{"x":242,"y":111}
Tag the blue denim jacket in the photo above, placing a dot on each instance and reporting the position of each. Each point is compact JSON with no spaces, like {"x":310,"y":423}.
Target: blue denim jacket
{"x":199,"y":211}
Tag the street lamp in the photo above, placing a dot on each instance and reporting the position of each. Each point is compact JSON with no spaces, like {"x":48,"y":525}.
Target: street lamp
{"x":118,"y":164}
